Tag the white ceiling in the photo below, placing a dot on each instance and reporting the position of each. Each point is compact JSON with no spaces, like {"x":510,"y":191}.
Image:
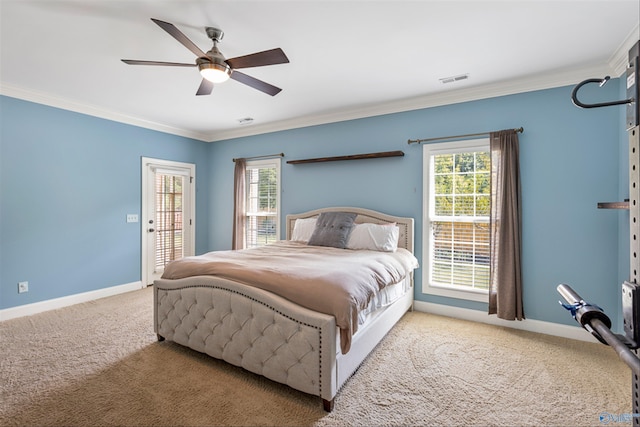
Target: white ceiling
{"x":348,"y":59}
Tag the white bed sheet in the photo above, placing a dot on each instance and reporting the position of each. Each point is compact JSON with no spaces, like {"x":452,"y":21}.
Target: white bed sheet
{"x":384,"y":298}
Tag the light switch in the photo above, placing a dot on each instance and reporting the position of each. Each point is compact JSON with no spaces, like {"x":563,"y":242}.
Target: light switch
{"x":132,"y":217}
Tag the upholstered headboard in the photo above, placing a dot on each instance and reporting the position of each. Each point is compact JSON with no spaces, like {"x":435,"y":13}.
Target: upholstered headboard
{"x":405,"y":224}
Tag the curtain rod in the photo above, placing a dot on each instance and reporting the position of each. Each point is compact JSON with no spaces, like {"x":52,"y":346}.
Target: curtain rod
{"x":267,"y":156}
{"x":443,"y":138}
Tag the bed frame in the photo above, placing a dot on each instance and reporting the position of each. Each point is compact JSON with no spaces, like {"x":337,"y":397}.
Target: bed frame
{"x":269,"y":335}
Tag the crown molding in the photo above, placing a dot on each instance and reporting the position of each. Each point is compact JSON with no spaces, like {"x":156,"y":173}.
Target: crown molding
{"x":91,"y":110}
{"x":465,"y":94}
{"x":620,"y":58}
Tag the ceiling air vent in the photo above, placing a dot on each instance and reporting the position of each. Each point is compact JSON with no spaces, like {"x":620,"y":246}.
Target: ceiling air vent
{"x":453,"y":79}
{"x":245,"y":121}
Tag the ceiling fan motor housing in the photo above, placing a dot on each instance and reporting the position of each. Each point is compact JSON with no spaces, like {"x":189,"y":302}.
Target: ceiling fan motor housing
{"x":214,"y":61}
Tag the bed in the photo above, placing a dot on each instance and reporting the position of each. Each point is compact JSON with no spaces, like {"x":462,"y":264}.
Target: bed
{"x":268,"y":334}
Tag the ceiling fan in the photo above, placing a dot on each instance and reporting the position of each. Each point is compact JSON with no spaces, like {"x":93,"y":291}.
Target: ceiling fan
{"x":213,"y":66}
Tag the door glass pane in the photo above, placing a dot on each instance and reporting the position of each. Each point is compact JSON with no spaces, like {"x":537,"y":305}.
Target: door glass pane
{"x":168,"y":222}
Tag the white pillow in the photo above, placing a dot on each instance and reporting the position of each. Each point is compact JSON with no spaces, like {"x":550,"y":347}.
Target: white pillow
{"x":303,"y":229}
{"x":374,"y":237}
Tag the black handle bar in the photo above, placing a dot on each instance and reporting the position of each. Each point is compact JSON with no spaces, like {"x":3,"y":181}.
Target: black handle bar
{"x":601,"y":82}
{"x":593,"y":319}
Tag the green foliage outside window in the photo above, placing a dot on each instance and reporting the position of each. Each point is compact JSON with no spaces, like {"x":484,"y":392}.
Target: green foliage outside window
{"x":462,"y":184}
{"x":267,"y":187}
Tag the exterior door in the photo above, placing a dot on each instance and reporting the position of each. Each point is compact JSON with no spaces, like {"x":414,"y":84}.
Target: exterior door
{"x":168,"y":223}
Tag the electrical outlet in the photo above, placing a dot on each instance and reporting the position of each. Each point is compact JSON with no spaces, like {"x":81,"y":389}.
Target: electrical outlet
{"x":23,"y":287}
{"x":132,"y":217}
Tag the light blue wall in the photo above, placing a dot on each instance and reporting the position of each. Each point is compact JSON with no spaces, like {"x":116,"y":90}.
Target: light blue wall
{"x":67,"y":181}
{"x":570,"y":161}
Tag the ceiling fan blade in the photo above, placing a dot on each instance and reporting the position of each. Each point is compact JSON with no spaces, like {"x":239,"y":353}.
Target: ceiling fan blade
{"x":205,"y":88}
{"x":259,"y":59}
{"x":170,"y":64}
{"x":255,"y":83}
{"x":176,"y":34}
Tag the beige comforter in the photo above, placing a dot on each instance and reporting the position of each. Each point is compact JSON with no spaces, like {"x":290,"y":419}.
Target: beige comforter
{"x":339,"y":282}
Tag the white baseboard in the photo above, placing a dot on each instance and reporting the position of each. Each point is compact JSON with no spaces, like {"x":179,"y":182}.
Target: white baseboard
{"x":52,"y":304}
{"x":539,"y":326}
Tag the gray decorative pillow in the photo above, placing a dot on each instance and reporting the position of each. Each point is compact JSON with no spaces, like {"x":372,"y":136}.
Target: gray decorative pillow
{"x":332,"y":229}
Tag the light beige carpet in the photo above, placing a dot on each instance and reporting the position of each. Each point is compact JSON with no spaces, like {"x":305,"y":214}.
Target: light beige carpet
{"x":99,"y":364}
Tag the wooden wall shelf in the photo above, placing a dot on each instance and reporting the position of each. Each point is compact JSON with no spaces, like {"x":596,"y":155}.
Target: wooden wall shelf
{"x":351,"y":157}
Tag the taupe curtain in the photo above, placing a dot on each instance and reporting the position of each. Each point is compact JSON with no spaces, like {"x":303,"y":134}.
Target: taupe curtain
{"x":505,"y":281}
{"x":239,"y":204}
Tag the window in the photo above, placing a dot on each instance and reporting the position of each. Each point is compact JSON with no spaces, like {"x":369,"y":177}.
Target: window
{"x":457,"y":178}
{"x":263,"y":202}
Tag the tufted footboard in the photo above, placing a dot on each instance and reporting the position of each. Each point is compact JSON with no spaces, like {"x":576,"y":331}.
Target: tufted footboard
{"x":251,"y":328}
{"x":269,"y":335}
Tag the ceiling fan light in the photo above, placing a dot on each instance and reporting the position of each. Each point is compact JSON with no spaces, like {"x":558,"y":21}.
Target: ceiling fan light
{"x":215,"y":73}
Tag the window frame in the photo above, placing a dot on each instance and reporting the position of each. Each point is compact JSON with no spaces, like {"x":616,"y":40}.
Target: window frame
{"x":262,"y":164}
{"x":429,"y":150}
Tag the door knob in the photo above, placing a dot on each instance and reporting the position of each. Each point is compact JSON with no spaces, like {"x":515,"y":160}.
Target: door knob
{"x":151,"y":230}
